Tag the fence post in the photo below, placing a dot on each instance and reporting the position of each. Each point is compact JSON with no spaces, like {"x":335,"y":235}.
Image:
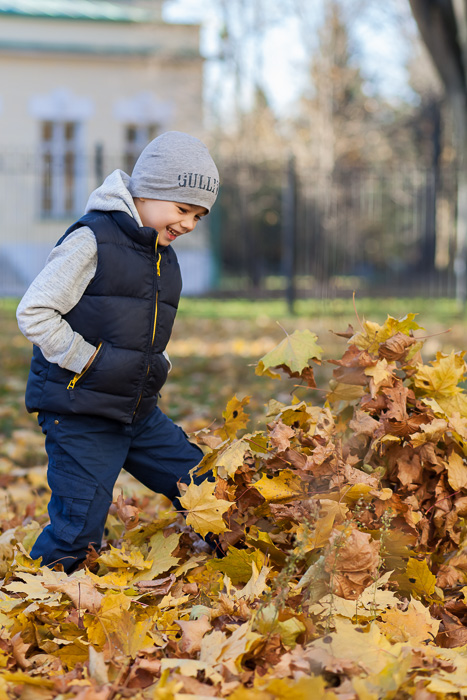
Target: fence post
{"x":215,"y":240}
{"x":289,"y":232}
{"x":99,"y":163}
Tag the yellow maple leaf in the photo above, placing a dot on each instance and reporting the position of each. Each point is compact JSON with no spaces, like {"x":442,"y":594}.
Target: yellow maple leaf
{"x":386,"y":682}
{"x":442,"y":378}
{"x":263,"y":542}
{"x":308,"y":539}
{"x":421,"y":579}
{"x":160,"y":552}
{"x":217,"y":648}
{"x":100,"y":625}
{"x":455,"y":404}
{"x":190,"y":667}
{"x":293,"y":352}
{"x":284,"y":487}
{"x":237,"y":564}
{"x":379,"y":374}
{"x":306,"y":688}
{"x":235,"y":418}
{"x":429,"y":432}
{"x":256,"y":585}
{"x":192,"y":633}
{"x":203,"y":510}
{"x":120,"y":558}
{"x":367,"y":647}
{"x":114,"y":580}
{"x":373,"y":334}
{"x":231,"y":458}
{"x":414,"y":625}
{"x":33,"y":587}
{"x":450,"y":682}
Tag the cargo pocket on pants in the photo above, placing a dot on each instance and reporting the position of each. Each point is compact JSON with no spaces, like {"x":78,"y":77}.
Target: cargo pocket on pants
{"x":69,"y":513}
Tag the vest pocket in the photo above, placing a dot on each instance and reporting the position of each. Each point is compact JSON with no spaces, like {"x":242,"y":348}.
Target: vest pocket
{"x":80,"y":375}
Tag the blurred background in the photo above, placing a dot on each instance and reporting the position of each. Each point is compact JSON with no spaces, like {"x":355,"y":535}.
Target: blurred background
{"x":337,"y":125}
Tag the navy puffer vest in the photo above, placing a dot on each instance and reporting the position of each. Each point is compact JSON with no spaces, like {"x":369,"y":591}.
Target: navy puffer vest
{"x":128,"y":308}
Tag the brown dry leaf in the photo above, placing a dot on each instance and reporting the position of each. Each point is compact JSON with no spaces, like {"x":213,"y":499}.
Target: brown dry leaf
{"x":158,"y":586}
{"x":281,"y":435}
{"x":193,"y":632}
{"x":430,"y":432}
{"x":362,"y":423}
{"x":352,"y":561}
{"x":129,"y":515}
{"x":457,"y":471}
{"x":81,"y":592}
{"x":396,"y":347}
{"x":93,"y":694}
{"x":409,"y":469}
{"x":396,"y":398}
{"x":20,"y":648}
{"x":351,"y":367}
{"x":454,"y":633}
{"x":194,"y":689}
{"x":449,"y":576}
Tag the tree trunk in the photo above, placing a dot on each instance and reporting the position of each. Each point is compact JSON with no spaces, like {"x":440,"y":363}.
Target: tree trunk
{"x":460,"y":264}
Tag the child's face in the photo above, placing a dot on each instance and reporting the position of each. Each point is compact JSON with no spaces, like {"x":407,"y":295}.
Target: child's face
{"x":170,"y":219}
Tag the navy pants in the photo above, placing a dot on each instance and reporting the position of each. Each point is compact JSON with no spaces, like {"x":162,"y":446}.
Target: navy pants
{"x":86,"y":454}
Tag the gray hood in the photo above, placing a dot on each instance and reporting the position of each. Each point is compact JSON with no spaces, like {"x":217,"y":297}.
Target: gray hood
{"x":113,"y":195}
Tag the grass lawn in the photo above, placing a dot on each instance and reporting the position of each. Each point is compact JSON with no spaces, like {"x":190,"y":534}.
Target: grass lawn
{"x":215,"y":344}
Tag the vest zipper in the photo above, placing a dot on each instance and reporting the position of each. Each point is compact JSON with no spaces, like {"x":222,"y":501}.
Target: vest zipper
{"x":78,"y":376}
{"x":158,"y":269}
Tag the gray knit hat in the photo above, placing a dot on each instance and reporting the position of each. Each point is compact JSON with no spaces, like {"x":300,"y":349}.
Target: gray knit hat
{"x":176,"y":167}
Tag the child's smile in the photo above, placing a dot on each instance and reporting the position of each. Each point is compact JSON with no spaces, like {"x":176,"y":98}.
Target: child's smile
{"x":170,"y":219}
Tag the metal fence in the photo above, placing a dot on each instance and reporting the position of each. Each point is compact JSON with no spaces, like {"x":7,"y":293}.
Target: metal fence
{"x":316,"y":234}
{"x":274,"y":230}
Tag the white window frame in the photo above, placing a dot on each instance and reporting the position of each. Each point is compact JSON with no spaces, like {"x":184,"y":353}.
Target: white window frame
{"x":61,"y":107}
{"x":133,"y":147}
{"x":147,"y":116}
{"x":56,"y":150}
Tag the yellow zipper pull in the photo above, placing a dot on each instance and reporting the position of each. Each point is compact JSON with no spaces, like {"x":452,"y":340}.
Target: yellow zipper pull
{"x":158,"y":263}
{"x":71,"y":385}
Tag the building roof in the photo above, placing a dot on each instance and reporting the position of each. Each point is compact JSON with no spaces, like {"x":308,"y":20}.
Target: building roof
{"x":97,"y":10}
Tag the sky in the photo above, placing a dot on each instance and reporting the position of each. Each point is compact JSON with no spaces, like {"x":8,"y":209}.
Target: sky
{"x":382,"y":47}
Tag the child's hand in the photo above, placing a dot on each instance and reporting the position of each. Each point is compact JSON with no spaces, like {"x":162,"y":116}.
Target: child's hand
{"x":90,"y":361}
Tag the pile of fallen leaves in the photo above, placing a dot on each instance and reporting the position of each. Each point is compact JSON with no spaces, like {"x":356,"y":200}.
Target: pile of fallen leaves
{"x":343,"y":528}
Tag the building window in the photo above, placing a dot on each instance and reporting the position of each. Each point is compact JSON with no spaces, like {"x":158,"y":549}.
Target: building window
{"x":137,"y":136}
{"x":62,"y":168}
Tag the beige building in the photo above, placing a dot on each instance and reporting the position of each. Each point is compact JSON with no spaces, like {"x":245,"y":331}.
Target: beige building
{"x":85,"y":84}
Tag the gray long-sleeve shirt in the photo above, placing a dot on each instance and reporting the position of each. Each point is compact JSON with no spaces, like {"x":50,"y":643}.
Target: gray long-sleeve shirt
{"x":60,"y":285}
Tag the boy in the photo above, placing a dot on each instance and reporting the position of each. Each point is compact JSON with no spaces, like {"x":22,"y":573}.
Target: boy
{"x":100,"y":315}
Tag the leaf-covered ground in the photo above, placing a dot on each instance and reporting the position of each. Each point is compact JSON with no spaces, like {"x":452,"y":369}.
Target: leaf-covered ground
{"x":339,"y":498}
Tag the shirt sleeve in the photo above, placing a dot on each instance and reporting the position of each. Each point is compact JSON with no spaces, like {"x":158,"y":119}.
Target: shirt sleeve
{"x":54,"y":292}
